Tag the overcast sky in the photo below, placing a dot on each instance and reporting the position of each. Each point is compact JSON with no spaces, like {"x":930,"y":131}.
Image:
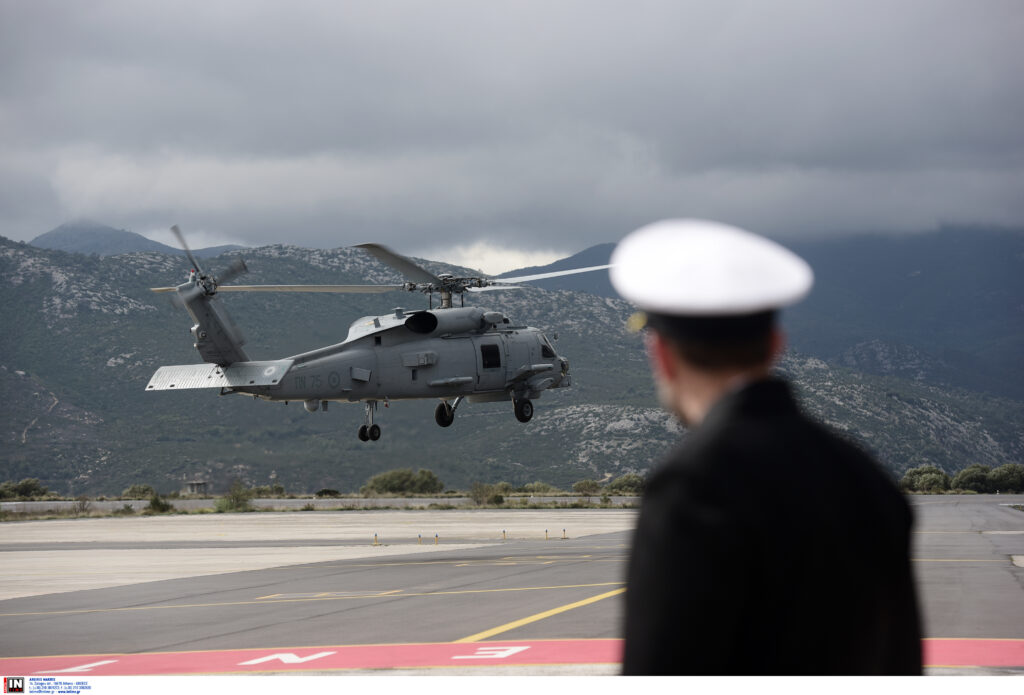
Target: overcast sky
{"x":509,"y":127}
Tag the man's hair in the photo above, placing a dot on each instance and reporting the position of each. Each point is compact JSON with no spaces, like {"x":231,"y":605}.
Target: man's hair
{"x":718,"y":342}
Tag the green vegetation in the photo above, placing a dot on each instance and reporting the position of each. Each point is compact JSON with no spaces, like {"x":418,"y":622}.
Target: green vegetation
{"x":403,"y":481}
{"x":138,"y":492}
{"x":628,"y":484}
{"x":925,"y":479}
{"x":27,"y":489}
{"x":1008,"y":478}
{"x":275,"y":490}
{"x":237,"y":499}
{"x":157,"y":505}
{"x":586,"y":487}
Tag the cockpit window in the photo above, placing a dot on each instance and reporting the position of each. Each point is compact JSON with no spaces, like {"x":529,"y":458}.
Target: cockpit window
{"x":546,"y":350}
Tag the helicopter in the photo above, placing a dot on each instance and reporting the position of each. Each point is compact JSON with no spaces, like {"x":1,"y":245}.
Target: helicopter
{"x":452,"y":354}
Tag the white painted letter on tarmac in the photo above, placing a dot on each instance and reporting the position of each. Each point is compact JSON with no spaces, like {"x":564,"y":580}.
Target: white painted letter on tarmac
{"x":493,"y":653}
{"x":287,"y":658}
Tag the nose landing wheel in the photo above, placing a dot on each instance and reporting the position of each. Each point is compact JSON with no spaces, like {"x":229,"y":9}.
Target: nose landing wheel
{"x":524,"y":410}
{"x":444,"y":414}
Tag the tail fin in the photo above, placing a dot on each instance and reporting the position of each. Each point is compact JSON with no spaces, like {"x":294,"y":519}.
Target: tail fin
{"x":217,"y":337}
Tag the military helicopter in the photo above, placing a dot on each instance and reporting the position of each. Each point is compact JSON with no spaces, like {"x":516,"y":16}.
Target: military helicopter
{"x":453,"y":354}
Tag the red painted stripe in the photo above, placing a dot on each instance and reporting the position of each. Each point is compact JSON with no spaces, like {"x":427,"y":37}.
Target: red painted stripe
{"x":326,"y":658}
{"x":974,"y":652}
{"x":937,"y":652}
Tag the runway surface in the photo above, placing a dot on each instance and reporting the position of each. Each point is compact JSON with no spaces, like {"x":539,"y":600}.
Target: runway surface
{"x":493,"y":596}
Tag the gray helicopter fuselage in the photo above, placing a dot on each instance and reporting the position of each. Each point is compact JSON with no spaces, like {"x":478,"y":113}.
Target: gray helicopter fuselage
{"x":444,"y":354}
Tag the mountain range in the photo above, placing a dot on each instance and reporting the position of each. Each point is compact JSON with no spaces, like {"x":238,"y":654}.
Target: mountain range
{"x":88,"y":237}
{"x":909,"y":346}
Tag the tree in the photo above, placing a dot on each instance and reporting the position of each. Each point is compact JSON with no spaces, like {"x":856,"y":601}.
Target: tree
{"x":975,"y":477}
{"x":138,"y":492}
{"x":403,"y":481}
{"x":1008,"y":478}
{"x":481,"y":492}
{"x":586,"y":487}
{"x":538,"y":488}
{"x":158,"y":505}
{"x":628,"y":484}
{"x":28,"y":488}
{"x":925,"y":479}
{"x":237,"y":499}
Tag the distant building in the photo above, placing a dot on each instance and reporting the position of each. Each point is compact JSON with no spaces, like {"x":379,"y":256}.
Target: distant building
{"x":196,"y":487}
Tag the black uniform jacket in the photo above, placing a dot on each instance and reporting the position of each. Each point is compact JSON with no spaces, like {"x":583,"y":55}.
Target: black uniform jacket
{"x":768,"y":545}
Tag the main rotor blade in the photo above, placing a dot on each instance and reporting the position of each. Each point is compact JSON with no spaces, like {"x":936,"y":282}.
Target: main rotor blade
{"x":555,"y":274}
{"x":162,"y":289}
{"x":236,"y":268}
{"x":188,"y":251}
{"x":354,"y":289}
{"x":400,"y":263}
{"x":494,"y":288}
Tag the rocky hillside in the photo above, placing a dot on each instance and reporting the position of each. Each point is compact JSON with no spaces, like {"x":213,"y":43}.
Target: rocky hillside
{"x":84,"y":335}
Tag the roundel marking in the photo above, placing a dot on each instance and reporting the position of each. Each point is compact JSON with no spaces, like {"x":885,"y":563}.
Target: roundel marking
{"x":269,"y":370}
{"x":334,"y":379}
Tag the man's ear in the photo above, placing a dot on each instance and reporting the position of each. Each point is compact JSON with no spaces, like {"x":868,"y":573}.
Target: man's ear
{"x":661,"y":356}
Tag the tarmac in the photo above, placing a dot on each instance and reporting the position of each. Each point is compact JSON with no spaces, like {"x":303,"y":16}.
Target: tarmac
{"x":481,"y":592}
{"x":43,"y":557}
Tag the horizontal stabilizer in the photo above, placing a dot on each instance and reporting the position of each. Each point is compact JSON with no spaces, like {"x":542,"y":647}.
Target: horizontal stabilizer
{"x":208,"y":375}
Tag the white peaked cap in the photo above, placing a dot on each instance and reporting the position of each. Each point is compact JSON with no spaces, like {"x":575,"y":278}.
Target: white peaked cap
{"x":701,"y":268}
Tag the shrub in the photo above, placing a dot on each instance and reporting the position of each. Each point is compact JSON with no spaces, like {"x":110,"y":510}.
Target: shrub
{"x":28,"y":488}
{"x":974,"y":478}
{"x":138,"y":492}
{"x":1008,"y":478}
{"x":237,"y":499}
{"x":275,"y":490}
{"x":82,"y":505}
{"x":403,"y":481}
{"x":586,"y":487}
{"x":496,"y":499}
{"x":157,"y":505}
{"x":480,"y":492}
{"x":628,"y":484}
{"x":539,"y":488}
{"x":327,"y":492}
{"x":925,"y":479}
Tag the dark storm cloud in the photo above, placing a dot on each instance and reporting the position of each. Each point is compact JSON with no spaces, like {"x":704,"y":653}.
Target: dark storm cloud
{"x":543,"y":125}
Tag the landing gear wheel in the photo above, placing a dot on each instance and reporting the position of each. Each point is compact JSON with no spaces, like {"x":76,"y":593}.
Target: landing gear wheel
{"x":363,"y":434}
{"x":444,"y":414}
{"x":524,"y":410}
{"x":374,"y":433}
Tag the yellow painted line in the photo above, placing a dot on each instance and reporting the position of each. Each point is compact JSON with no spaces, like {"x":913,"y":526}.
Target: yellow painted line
{"x":524,"y":559}
{"x":539,"y":616}
{"x":923,"y":559}
{"x":258,"y":602}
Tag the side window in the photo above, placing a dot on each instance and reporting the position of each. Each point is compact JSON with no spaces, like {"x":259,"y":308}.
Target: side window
{"x":491,"y":356}
{"x":546,"y":351}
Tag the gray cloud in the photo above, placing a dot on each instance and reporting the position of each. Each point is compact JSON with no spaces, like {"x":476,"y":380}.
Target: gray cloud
{"x":530,"y":124}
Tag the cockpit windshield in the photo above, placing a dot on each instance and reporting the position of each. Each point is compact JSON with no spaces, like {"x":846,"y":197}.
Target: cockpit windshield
{"x":546,"y":350}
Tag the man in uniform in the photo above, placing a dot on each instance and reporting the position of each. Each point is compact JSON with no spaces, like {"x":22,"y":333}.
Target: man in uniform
{"x":766,"y":544}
